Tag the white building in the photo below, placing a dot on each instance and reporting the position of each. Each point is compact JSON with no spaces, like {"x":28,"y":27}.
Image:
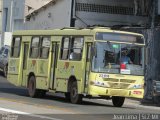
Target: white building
{"x":32,"y":5}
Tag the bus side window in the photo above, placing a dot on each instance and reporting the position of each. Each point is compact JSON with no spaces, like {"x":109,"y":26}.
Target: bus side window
{"x":34,"y":51}
{"x":65,"y":48}
{"x":76,"y":48}
{"x":16,"y":44}
{"x":45,"y":47}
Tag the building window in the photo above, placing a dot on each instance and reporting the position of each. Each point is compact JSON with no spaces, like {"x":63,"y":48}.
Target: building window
{"x":76,"y":48}
{"x":45,"y":47}
{"x":65,"y":48}
{"x":86,"y":7}
{"x":16,"y":44}
{"x":34,"y":51}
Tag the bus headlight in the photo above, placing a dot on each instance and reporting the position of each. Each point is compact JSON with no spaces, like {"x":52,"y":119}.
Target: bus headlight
{"x":99,"y":83}
{"x":137,"y":86}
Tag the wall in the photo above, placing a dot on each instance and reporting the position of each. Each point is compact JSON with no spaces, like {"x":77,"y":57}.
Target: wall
{"x":13,"y":12}
{"x":31,"y":5}
{"x":54,"y":16}
{"x":87,"y":13}
{"x":13,"y":16}
{"x":107,"y":13}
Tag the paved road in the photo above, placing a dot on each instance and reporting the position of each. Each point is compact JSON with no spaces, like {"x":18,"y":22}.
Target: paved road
{"x":15,"y":103}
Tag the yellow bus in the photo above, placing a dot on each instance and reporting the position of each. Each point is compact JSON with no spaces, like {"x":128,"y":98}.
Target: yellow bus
{"x":80,"y":62}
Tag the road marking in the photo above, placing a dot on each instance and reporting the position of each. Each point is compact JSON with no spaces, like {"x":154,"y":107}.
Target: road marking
{"x":27,"y":114}
{"x":13,"y":111}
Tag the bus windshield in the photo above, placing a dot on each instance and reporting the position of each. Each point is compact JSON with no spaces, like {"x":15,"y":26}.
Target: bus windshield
{"x":118,"y":58}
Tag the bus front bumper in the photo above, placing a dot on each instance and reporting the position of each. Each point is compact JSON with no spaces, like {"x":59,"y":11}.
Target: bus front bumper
{"x":101,"y":91}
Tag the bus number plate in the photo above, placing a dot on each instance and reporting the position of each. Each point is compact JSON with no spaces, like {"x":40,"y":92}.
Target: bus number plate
{"x":104,"y":76}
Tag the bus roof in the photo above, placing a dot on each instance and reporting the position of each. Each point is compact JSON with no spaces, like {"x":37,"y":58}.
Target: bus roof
{"x":71,"y":31}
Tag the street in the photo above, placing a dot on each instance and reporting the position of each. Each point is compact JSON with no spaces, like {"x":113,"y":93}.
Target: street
{"x":16,"y":104}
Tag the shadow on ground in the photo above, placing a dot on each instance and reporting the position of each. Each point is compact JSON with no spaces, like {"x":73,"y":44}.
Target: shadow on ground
{"x":6,"y":87}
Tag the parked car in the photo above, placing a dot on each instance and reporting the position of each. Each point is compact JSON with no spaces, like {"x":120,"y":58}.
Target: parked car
{"x":4,"y":53}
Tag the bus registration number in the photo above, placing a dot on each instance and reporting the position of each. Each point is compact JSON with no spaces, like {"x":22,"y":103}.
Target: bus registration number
{"x":104,"y":75}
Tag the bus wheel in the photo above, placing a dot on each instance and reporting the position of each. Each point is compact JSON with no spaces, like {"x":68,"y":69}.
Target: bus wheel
{"x":74,"y":96}
{"x":33,"y":92}
{"x":118,"y":101}
{"x":5,"y":71}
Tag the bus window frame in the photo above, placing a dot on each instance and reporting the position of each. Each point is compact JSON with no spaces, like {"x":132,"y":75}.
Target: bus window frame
{"x":41,"y":47}
{"x":81,"y":49}
{"x":62,"y":48}
{"x":19,"y":47}
{"x":32,"y":47}
{"x":69,"y":47}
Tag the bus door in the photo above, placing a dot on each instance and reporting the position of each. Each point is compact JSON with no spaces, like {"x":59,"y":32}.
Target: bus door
{"x":87,"y":66}
{"x":25,"y":58}
{"x":55,"y":48}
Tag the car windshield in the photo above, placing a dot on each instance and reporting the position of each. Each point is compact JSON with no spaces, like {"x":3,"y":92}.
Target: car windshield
{"x":118,"y":58}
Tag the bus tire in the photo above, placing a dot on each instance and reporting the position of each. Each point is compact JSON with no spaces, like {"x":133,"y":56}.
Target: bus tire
{"x":74,"y":96}
{"x":118,"y":101}
{"x":33,"y":92}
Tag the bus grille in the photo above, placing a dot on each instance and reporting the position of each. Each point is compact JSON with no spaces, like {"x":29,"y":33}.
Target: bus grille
{"x":119,"y":83}
{"x":127,"y":81}
{"x":111,"y":79}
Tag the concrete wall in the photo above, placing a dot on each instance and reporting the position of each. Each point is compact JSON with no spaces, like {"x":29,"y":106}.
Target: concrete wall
{"x":31,"y":5}
{"x":107,"y":13}
{"x":13,"y":15}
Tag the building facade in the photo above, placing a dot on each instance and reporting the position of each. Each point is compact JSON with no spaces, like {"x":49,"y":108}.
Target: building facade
{"x":12,"y":17}
{"x":32,"y":5}
{"x":14,"y":12}
{"x":82,"y":13}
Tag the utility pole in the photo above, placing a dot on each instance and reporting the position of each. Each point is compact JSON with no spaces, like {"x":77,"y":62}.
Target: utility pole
{"x":151,"y":68}
{"x":11,"y":17}
{"x":1,"y":23}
